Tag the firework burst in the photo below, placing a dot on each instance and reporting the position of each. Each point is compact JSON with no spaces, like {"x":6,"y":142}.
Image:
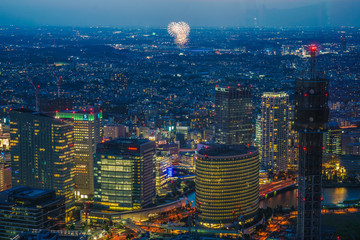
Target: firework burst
{"x":180,"y":31}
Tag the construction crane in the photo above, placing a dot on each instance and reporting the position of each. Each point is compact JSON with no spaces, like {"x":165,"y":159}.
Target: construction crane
{"x":59,"y":81}
{"x":37,"y":89}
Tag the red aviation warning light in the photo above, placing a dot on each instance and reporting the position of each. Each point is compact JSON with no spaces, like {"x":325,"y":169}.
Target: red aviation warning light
{"x":313,"y":48}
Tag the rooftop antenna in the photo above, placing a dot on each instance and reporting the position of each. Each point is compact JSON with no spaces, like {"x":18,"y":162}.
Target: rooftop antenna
{"x":313,"y":50}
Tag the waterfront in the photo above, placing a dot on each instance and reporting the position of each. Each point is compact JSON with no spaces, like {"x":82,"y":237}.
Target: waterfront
{"x":332,"y":196}
{"x":288,"y":199}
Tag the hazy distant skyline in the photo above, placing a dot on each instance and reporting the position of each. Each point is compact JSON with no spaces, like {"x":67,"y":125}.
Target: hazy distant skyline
{"x":158,"y":13}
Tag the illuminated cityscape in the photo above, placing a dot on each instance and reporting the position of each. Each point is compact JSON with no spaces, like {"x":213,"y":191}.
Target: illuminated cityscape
{"x":180,"y":120}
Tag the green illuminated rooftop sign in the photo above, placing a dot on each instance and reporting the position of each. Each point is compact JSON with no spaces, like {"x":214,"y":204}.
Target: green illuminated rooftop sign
{"x":78,"y":116}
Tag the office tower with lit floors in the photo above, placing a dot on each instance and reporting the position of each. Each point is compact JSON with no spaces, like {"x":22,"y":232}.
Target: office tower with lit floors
{"x":274,"y":131}
{"x":227,"y":185}
{"x":333,"y":140}
{"x":5,"y":173}
{"x":124,"y":174}
{"x":233,"y":119}
{"x":293,"y":151}
{"x":311,"y":121}
{"x":42,"y":153}
{"x":88,"y":133}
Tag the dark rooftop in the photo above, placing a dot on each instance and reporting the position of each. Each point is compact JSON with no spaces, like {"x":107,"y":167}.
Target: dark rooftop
{"x":226,"y":150}
{"x":25,"y":193}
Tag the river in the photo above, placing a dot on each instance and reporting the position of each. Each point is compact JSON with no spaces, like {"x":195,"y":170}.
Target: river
{"x":288,"y":199}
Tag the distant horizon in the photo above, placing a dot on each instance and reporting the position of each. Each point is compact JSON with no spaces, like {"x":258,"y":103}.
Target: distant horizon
{"x":197,"y":13}
{"x":165,"y":27}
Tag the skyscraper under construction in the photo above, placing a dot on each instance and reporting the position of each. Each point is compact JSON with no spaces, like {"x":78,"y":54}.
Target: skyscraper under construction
{"x":311,"y":121}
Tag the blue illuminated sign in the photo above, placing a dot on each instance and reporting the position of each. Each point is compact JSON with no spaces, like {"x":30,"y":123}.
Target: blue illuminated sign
{"x":170,"y":172}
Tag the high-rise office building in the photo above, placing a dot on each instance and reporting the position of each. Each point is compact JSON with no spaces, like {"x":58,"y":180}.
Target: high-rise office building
{"x":87,"y":134}
{"x":115,"y":131}
{"x":5,"y":173}
{"x":163,"y":162}
{"x":333,"y":140}
{"x":233,"y":119}
{"x":227,"y":185}
{"x":124,"y":174}
{"x":274,"y":130}
{"x":42,"y":153}
{"x":311,"y":121}
{"x":258,"y":133}
{"x":24,"y":209}
{"x":293,"y":151}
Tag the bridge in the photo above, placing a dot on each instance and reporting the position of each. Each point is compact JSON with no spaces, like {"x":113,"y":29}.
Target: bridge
{"x":274,"y":187}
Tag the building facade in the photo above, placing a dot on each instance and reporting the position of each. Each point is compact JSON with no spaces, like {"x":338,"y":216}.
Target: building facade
{"x":227,"y":185}
{"x":233,"y":119}
{"x":42,"y":153}
{"x":87,"y":134}
{"x":311,"y":121}
{"x":333,"y":140}
{"x":23,"y":209}
{"x":274,"y":130}
{"x":124,"y":174}
{"x":5,"y":173}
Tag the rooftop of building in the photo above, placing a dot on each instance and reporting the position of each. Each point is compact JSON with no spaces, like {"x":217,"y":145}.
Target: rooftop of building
{"x":275,"y":94}
{"x":222,"y":150}
{"x":113,"y":145}
{"x":50,"y":235}
{"x":87,"y":110}
{"x":233,"y":86}
{"x":31,"y":195}
{"x":25,"y":110}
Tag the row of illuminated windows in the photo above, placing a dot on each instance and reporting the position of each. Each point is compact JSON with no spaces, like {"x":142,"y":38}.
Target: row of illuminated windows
{"x":226,"y":162}
{"x":226,"y":212}
{"x":116,"y":174}
{"x":227,"y":181}
{"x":115,"y":187}
{"x":219,"y":210}
{"x":229,"y":187}
{"x":239,"y":195}
{"x":227,"y":169}
{"x":237,"y":177}
{"x":115,"y":180}
{"x":219,"y":197}
{"x":115,"y":168}
{"x":115,"y":162}
{"x":242,"y":195}
{"x":118,"y":194}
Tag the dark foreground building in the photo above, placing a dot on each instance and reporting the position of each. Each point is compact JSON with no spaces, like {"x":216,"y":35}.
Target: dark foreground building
{"x":23,"y":209}
{"x":50,"y":235}
{"x":42,"y":153}
{"x":311,"y":121}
